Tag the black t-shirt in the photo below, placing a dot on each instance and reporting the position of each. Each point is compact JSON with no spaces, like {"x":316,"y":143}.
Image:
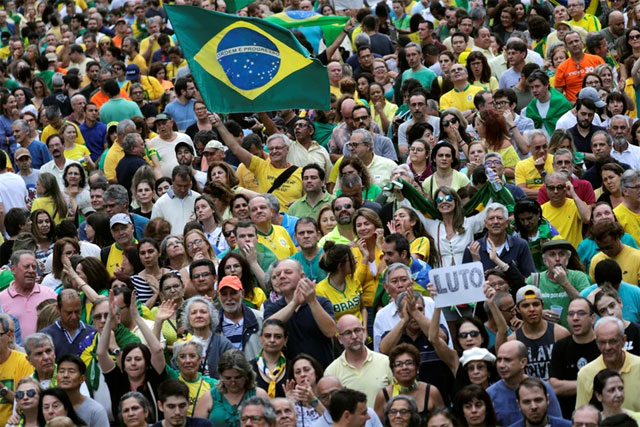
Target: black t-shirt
{"x":567,"y":358}
{"x":633,"y":338}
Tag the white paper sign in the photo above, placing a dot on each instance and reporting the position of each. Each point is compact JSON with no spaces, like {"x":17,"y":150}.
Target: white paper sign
{"x":458,"y":284}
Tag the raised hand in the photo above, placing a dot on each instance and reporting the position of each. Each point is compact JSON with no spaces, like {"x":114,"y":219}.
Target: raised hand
{"x":391,"y":225}
{"x":166,"y":310}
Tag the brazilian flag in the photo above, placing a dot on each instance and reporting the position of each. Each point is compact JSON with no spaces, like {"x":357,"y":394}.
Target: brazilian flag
{"x":246,"y":64}
{"x":304,"y":18}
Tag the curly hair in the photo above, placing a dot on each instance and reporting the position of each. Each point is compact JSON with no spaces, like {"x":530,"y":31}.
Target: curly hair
{"x":355,"y":162}
{"x":235,"y":359}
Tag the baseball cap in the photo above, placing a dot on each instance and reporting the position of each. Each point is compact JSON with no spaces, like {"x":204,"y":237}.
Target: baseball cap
{"x":557,"y":24}
{"x":477,"y":353}
{"x":51,"y":57}
{"x":184,"y":144}
{"x":230,"y":282}
{"x":215,"y":145}
{"x":557,"y":244}
{"x":21,"y":152}
{"x":592,"y":94}
{"x":119,"y":219}
{"x":133,"y":72}
{"x":162,"y":116}
{"x":528,"y":292}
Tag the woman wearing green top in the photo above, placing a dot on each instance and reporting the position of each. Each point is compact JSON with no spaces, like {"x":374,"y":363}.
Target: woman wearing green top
{"x":238,"y":383}
{"x":170,"y":289}
{"x":353,"y":165}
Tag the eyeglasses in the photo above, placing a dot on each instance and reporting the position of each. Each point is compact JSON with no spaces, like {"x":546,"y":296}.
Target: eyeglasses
{"x":501,"y":103}
{"x":493,"y":163}
{"x":447,"y":198}
{"x":194,"y":243}
{"x":5,"y":332}
{"x":345,"y":206}
{"x":280,"y":148}
{"x":354,"y":145}
{"x":579,"y":313}
{"x":400,"y":364}
{"x":29,"y":393}
{"x":634,"y":37}
{"x":356,"y":331}
{"x":402,"y":412}
{"x":360,"y":119}
{"x":99,"y":316}
{"x":554,"y":188}
{"x":452,"y":121}
{"x":472,"y":334}
{"x":201,"y":275}
{"x":252,"y":418}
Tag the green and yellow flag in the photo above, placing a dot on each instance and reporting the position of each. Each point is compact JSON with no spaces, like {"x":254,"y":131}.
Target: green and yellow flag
{"x":247,"y":64}
{"x":304,"y":18}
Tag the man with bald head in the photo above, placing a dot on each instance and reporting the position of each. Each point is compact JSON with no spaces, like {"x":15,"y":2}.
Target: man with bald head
{"x":342,"y":132}
{"x":309,"y":318}
{"x":335,"y":74}
{"x":358,"y":367}
{"x":512,"y":359}
{"x":586,"y":416}
{"x":326,"y":387}
{"x":285,"y":411}
{"x":69,"y":331}
{"x":611,"y":339}
{"x":614,"y":30}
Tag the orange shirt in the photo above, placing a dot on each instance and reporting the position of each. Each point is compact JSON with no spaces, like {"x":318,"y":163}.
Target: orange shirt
{"x":570,"y":75}
{"x":100,"y":97}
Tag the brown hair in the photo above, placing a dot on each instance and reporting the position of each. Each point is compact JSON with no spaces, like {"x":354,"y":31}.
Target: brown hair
{"x":56,"y":267}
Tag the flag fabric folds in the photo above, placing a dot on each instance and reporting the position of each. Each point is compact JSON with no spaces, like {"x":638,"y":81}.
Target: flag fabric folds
{"x":235,"y":5}
{"x":246,"y":64}
{"x":304,"y":18}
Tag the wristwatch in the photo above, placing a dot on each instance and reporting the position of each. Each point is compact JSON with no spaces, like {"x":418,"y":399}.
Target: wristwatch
{"x":4,"y":391}
{"x":116,"y":352}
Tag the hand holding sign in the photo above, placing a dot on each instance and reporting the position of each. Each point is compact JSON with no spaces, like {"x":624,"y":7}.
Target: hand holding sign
{"x":458,"y":284}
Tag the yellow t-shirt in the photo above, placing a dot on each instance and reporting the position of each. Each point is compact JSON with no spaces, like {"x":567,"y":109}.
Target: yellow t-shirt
{"x":566,"y":220}
{"x":50,"y":130}
{"x":258,"y":298}
{"x":12,"y":370}
{"x":629,"y":261}
{"x":266,"y":173}
{"x":629,"y":220}
{"x":370,"y":280}
{"x":113,"y":157}
{"x":509,"y":156}
{"x":462,"y":100}
{"x":46,"y":203}
{"x":589,"y":22}
{"x":279,"y":241}
{"x":421,"y":246}
{"x":77,"y":153}
{"x":247,"y":179}
{"x":114,"y":260}
{"x":347,"y":302}
{"x":526,"y":173}
{"x":144,"y":44}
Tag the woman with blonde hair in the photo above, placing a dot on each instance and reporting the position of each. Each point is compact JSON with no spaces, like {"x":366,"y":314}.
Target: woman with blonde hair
{"x":73,"y":151}
{"x":50,"y":198}
{"x":196,"y":246}
{"x":326,"y":220}
{"x":27,"y":395}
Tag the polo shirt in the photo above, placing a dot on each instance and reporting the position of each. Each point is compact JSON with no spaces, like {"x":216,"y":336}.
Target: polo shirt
{"x":279,"y":241}
{"x":374,"y":374}
{"x":630,"y":373}
{"x":266,"y":174}
{"x":302,"y":208}
{"x":589,"y":22}
{"x":462,"y":100}
{"x":629,"y":261}
{"x":175,"y":210}
{"x":335,"y":236}
{"x":304,"y":334}
{"x":63,"y":342}
{"x":380,"y":170}
{"x":24,"y":307}
{"x":570,"y":76}
{"x":300,"y":156}
{"x":629,"y":220}
{"x":526,"y":172}
{"x":630,"y":156}
{"x":630,"y":297}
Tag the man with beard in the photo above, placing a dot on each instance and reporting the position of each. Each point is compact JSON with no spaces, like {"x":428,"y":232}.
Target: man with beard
{"x":570,"y":354}
{"x":584,"y":128}
{"x":534,"y":404}
{"x":315,"y":196}
{"x":537,"y":334}
{"x":623,"y":152}
{"x":307,"y":234}
{"x":184,"y":155}
{"x":566,"y":215}
{"x":601,"y":147}
{"x":558,"y":284}
{"x":563,"y":163}
{"x":358,"y":367}
{"x":343,"y":209}
{"x":239,"y":323}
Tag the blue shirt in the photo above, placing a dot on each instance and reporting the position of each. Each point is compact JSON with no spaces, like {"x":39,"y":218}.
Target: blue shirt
{"x":311,"y":268}
{"x":183,"y":115}
{"x":94,"y":138}
{"x":39,"y":154}
{"x":289,"y":224}
{"x":630,"y":297}
{"x":553,"y":422}
{"x":506,"y":405}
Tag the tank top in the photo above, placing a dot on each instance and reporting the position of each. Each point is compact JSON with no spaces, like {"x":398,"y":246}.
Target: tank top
{"x":424,"y":412}
{"x":223,"y":413}
{"x":539,"y":352}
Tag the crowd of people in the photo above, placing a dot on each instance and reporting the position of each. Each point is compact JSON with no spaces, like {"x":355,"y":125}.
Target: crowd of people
{"x":163,"y":264}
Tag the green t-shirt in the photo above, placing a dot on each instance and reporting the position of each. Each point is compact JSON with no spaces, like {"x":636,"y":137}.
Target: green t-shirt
{"x":554,"y":294}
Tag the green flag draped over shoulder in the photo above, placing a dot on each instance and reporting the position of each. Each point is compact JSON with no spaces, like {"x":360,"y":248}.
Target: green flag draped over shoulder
{"x":247,"y":64}
{"x":304,"y":18}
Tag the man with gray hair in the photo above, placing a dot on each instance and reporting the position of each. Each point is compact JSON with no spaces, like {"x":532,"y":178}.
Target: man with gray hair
{"x":417,"y":70}
{"x":282,"y":219}
{"x":380,"y":168}
{"x":563,"y":163}
{"x":510,"y":249}
{"x":531,"y":171}
{"x":270,"y":235}
{"x":286,"y":411}
{"x":382,"y":145}
{"x":41,"y":353}
{"x":601,"y":147}
{"x":628,"y":212}
{"x":623,"y":151}
{"x":495,"y":162}
{"x":78,"y":102}
{"x":115,"y":153}
{"x":258,"y":409}
{"x":566,"y":214}
{"x":116,"y":200}
{"x":610,"y":339}
{"x":38,"y":151}
{"x":133,"y":148}
{"x":275,"y":174}
{"x":309,"y":318}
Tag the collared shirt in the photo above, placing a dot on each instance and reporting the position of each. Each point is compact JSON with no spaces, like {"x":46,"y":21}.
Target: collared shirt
{"x":302,"y":208}
{"x":335,"y":236}
{"x":630,"y":156}
{"x":300,"y":156}
{"x":380,"y":170}
{"x":53,"y":169}
{"x":174,"y":209}
{"x":24,"y":307}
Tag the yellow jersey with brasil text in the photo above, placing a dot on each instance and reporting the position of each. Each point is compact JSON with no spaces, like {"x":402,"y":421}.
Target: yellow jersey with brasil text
{"x":348,"y":301}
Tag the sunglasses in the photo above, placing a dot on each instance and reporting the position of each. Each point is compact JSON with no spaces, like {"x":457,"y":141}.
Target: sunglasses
{"x":447,"y":198}
{"x":452,"y":121}
{"x":30,"y":393}
{"x":345,"y":206}
{"x":472,"y":334}
{"x":228,"y":233}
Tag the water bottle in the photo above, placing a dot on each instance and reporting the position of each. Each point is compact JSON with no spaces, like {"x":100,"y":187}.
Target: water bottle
{"x":493,"y":179}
